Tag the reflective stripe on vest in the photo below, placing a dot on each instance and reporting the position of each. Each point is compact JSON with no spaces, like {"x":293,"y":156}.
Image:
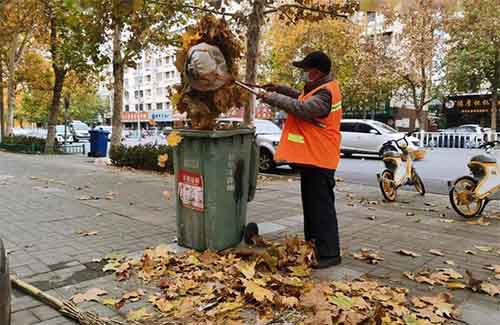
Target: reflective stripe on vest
{"x":297,"y":138}
{"x":336,"y":107}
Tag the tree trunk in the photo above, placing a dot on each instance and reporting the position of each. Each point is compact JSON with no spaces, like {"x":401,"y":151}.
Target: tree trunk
{"x":11,"y":85}
{"x":494,"y":96}
{"x":59,"y":74}
{"x":255,"y":22}
{"x":118,"y":72}
{"x":2,"y":125}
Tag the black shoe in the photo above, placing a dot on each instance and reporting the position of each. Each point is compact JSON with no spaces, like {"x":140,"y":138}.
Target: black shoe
{"x":326,"y":262}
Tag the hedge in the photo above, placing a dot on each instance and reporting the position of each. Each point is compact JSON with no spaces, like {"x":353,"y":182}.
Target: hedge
{"x":141,"y":157}
{"x":22,"y":143}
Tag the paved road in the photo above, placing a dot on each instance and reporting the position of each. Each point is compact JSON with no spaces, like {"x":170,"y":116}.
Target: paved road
{"x":438,"y":167}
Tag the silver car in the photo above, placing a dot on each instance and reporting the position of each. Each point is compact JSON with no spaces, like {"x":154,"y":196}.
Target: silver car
{"x":268,"y":137}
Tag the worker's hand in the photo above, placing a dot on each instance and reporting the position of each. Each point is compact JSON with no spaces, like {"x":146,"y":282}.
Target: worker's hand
{"x":270,"y":87}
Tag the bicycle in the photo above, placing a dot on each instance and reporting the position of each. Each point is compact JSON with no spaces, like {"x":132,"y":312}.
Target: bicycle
{"x":395,"y":174}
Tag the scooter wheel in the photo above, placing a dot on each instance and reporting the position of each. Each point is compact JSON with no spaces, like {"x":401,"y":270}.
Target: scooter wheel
{"x":419,"y":184}
{"x":387,"y":186}
{"x":462,"y":197}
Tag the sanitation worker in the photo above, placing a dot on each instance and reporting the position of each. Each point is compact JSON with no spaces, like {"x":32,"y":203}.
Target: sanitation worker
{"x":310,"y":141}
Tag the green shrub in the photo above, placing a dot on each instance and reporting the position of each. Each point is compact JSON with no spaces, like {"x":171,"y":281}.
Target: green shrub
{"x":22,"y":143}
{"x":141,"y":157}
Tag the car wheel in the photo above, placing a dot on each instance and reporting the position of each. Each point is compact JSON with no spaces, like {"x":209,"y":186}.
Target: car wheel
{"x":4,"y":287}
{"x":266,"y":161}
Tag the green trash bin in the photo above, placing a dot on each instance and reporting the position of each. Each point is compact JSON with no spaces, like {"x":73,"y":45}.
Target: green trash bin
{"x":212,"y":173}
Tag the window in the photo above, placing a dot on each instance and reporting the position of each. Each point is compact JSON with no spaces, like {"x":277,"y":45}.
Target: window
{"x":127,"y":108}
{"x":347,"y":127}
{"x":167,"y":75}
{"x":141,"y":93}
{"x":158,"y":76}
{"x":136,"y":94}
{"x":148,"y":106}
{"x":158,"y":91}
{"x":364,"y":128}
{"x":125,"y":82}
{"x":167,"y":105}
{"x":136,"y":107}
{"x":158,"y":62}
{"x":141,"y":107}
{"x":148,"y":78}
{"x":148,"y":92}
{"x":159,"y":106}
{"x":372,"y":15}
{"x":126,"y":94}
{"x":167,"y":60}
{"x":138,"y":80}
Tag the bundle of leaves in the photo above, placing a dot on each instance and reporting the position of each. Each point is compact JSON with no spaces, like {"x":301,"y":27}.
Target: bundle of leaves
{"x":209,"y":287}
{"x":203,"y":108}
{"x":147,"y":157}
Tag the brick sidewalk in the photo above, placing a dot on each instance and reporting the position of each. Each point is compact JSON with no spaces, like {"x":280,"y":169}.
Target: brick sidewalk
{"x":43,"y":210}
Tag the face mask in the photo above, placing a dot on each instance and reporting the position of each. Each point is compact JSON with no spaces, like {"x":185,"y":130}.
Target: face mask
{"x":305,"y":77}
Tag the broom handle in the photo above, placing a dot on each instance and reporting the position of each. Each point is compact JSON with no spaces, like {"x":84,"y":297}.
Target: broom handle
{"x":36,"y":293}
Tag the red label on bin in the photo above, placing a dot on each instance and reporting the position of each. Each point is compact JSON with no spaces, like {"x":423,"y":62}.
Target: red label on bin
{"x":190,"y":190}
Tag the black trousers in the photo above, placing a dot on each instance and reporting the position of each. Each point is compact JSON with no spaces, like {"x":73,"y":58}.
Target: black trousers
{"x":320,"y":218}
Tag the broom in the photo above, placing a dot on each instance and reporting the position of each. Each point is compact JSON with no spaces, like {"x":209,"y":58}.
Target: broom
{"x":66,"y":308}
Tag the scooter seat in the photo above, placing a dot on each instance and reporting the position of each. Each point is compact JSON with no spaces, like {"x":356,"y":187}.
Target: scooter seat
{"x":484,"y":159}
{"x":392,"y":154}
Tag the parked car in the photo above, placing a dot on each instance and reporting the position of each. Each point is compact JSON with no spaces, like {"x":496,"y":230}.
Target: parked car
{"x":60,"y":135}
{"x":464,"y":136}
{"x":367,"y":137}
{"x":268,"y":137}
{"x":4,"y":287}
{"x":79,"y":130}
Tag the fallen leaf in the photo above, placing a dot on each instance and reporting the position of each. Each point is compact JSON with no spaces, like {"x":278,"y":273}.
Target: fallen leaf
{"x":456,"y":285}
{"x":408,"y":253}
{"x":447,"y":220}
{"x":369,"y":255}
{"x":495,"y":268}
{"x":174,"y":138}
{"x":436,"y":252}
{"x":109,"y":302}
{"x":87,"y":198}
{"x":139,"y":314}
{"x":300,"y":270}
{"x":371,"y":218}
{"x":167,"y":195}
{"x":87,"y":233}
{"x":451,"y":273}
{"x":288,"y":301}
{"x":484,"y":248}
{"x":479,"y":222}
{"x":424,"y":279}
{"x":341,"y":301}
{"x":417,"y":302}
{"x":449,"y":262}
{"x":259,"y":293}
{"x":490,"y":288}
{"x":410,"y":214}
{"x":470,"y":252}
{"x":247,"y":269}
{"x":163,"y":305}
{"x":91,"y":295}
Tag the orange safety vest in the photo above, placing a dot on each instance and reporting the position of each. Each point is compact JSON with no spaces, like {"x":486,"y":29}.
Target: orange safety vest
{"x":302,"y":142}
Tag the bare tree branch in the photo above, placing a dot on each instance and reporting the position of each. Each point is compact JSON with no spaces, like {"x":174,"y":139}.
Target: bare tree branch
{"x":302,"y":7}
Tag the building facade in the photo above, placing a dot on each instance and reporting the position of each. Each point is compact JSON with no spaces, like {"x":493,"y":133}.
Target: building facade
{"x":146,"y":90}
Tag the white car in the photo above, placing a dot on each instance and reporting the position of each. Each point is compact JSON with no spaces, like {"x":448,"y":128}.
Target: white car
{"x":268,"y":137}
{"x":79,"y":130}
{"x":367,"y":137}
{"x":60,"y":134}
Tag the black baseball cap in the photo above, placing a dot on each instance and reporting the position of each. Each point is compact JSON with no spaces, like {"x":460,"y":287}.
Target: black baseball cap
{"x":318,"y":60}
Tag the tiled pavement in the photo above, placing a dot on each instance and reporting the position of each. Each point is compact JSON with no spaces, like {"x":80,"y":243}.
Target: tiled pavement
{"x":44,"y":204}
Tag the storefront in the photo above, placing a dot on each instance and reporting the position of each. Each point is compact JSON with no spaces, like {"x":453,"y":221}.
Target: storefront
{"x":469,"y":109}
{"x":131,"y":120}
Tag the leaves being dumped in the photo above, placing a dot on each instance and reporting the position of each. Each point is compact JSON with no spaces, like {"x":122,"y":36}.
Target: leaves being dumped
{"x":203,"y":108}
{"x":369,"y":255}
{"x":91,"y":295}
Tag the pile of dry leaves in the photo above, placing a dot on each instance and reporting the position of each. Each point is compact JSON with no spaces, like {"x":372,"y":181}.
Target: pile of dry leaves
{"x":204,"y":107}
{"x":273,"y":285}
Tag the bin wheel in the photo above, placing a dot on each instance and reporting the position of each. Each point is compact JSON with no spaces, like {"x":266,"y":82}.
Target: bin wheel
{"x":251,"y":230}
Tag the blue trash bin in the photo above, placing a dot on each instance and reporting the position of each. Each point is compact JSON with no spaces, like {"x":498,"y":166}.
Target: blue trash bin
{"x":98,"y":143}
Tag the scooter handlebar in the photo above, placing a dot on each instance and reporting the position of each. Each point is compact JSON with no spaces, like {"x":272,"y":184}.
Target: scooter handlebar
{"x":489,"y":144}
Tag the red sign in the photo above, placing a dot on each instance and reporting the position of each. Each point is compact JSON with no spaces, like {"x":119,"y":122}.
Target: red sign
{"x":135,"y":116}
{"x":190,"y":187}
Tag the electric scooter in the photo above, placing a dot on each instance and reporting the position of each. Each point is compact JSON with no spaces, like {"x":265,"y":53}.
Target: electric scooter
{"x":397,"y":173}
{"x":469,"y":195}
